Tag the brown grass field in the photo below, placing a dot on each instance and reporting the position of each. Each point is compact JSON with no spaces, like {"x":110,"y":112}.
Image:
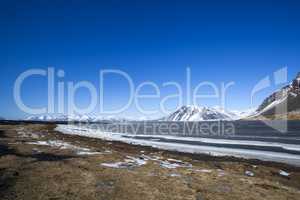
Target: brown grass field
{"x":32,"y":171}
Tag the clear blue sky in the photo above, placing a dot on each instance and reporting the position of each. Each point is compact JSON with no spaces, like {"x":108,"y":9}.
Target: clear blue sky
{"x":221,"y":41}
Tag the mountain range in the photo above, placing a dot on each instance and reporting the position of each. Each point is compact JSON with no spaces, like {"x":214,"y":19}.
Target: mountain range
{"x":284,"y":102}
{"x":195,"y":113}
{"x":75,"y":118}
{"x":185,"y":113}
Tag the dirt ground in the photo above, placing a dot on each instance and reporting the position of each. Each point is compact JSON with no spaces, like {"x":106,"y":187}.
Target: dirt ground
{"x":38,"y":163}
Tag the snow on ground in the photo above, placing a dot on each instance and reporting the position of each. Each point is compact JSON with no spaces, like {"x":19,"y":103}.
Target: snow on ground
{"x":221,"y":172}
{"x":284,"y":173}
{"x":175,"y":175}
{"x":189,"y":148}
{"x":118,"y":165}
{"x":169,"y":165}
{"x":64,"y":145}
{"x":249,"y":173}
{"x":130,"y":162}
{"x":203,"y":170}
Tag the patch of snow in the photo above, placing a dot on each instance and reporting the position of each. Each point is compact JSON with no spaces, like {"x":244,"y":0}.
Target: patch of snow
{"x":202,"y":170}
{"x":88,"y":153}
{"x":107,"y":152}
{"x":221,"y":172}
{"x":175,"y":160}
{"x":249,"y":173}
{"x":115,"y":165}
{"x":152,"y":158}
{"x":284,"y":173}
{"x":129,"y":162}
{"x":173,"y":165}
{"x":36,"y":150}
{"x":64,"y":145}
{"x":137,"y":161}
{"x":175,"y":175}
{"x":168,"y":165}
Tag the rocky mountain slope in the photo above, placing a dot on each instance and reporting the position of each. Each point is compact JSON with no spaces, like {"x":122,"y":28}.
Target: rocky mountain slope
{"x":285,"y":102}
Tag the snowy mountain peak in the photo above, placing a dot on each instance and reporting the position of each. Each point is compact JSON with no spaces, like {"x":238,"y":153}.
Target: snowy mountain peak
{"x":195,"y":113}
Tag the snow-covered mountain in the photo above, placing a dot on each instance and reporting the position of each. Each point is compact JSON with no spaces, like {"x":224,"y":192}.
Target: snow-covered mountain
{"x":57,"y":118}
{"x":195,"y":113}
{"x":77,"y":118}
{"x":284,"y":101}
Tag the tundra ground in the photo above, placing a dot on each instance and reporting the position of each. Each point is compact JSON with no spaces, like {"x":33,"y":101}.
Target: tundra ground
{"x":37,"y":162}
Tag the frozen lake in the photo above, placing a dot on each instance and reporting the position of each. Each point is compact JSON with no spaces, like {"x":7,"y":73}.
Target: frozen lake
{"x":250,"y":139}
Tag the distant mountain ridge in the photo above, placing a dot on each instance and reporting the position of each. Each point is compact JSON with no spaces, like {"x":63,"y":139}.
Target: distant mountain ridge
{"x":75,"y":118}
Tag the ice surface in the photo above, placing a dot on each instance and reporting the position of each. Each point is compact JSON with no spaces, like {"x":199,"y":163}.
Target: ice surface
{"x":189,"y":148}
